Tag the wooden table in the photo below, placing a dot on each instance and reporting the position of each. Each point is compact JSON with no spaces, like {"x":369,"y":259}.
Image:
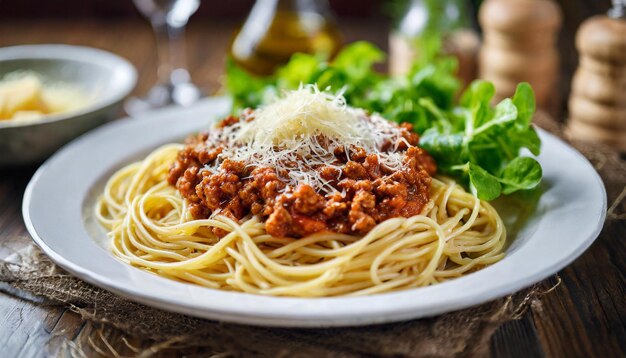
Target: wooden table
{"x":585,"y":315}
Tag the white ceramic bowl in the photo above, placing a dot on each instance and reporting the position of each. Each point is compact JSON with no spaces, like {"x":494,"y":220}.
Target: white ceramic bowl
{"x":105,"y":77}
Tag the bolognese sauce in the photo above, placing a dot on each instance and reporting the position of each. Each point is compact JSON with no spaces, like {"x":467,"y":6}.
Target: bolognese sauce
{"x":360,"y":191}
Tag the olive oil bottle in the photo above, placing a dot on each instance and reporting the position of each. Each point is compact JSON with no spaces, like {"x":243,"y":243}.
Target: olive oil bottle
{"x":276,"y":29}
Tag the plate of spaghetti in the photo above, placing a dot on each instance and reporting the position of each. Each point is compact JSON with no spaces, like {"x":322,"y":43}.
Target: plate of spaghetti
{"x":307,"y":212}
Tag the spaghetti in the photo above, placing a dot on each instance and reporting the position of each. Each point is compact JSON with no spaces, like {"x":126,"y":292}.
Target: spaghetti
{"x":151,"y":227}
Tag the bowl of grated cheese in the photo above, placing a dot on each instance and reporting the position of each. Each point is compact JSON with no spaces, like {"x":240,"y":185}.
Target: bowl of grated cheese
{"x":50,"y":94}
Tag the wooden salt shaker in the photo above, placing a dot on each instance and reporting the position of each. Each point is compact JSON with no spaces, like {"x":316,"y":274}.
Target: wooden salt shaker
{"x":597,"y":104}
{"x":520,"y":45}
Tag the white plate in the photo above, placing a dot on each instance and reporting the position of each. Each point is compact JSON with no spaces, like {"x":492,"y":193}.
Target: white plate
{"x":59,"y":200}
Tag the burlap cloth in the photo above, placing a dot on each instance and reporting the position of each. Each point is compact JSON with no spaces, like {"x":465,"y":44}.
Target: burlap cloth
{"x":30,"y":275}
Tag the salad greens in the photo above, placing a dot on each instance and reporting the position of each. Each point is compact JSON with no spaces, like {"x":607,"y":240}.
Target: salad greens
{"x":481,"y":144}
{"x":352,"y":71}
{"x":473,"y":141}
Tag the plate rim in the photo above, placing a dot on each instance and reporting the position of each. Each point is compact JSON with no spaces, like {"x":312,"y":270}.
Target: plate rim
{"x":303,"y":319}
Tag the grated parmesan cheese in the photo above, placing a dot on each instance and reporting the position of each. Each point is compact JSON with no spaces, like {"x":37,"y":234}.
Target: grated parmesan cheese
{"x":299,"y":133}
{"x":306,"y":112}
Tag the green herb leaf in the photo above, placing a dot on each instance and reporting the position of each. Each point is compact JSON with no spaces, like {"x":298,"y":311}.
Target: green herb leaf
{"x":521,"y":173}
{"x":246,"y":90}
{"x":479,"y":93}
{"x":357,"y":59}
{"x":440,"y":117}
{"x":482,"y":184}
{"x":447,"y":149}
{"x":525,"y":138}
{"x":476,"y":98}
{"x":524,"y":100}
{"x":302,"y":68}
{"x":504,"y":113}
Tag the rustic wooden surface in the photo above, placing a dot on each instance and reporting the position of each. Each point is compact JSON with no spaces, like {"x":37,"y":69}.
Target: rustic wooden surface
{"x":583,"y":316}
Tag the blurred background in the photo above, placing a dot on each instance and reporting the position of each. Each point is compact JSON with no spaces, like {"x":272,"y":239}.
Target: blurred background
{"x":118,"y":26}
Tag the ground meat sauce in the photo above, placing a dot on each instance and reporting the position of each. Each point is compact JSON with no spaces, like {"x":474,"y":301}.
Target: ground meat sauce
{"x":366,"y":193}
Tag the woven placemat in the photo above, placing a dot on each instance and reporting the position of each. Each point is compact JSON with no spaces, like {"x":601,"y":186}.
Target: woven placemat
{"x":30,"y":275}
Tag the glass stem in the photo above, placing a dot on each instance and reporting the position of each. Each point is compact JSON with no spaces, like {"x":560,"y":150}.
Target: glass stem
{"x":170,"y":53}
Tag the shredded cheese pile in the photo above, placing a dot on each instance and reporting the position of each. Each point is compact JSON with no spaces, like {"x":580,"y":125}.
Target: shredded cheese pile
{"x":300,"y":132}
{"x":300,"y":114}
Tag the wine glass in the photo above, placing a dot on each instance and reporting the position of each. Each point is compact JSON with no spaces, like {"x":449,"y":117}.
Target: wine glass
{"x":168,"y":19}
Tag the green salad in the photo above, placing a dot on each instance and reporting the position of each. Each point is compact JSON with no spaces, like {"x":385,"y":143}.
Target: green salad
{"x":479,"y":144}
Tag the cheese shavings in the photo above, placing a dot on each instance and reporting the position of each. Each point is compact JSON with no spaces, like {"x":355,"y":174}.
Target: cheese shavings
{"x":301,"y":132}
{"x":306,"y":112}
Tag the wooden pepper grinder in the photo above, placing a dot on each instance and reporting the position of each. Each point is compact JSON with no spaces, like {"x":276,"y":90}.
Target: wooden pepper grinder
{"x":520,"y":45}
{"x":597,"y":104}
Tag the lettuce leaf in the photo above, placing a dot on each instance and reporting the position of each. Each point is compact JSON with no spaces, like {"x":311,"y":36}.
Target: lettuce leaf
{"x":353,"y":72}
{"x":486,"y":152}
